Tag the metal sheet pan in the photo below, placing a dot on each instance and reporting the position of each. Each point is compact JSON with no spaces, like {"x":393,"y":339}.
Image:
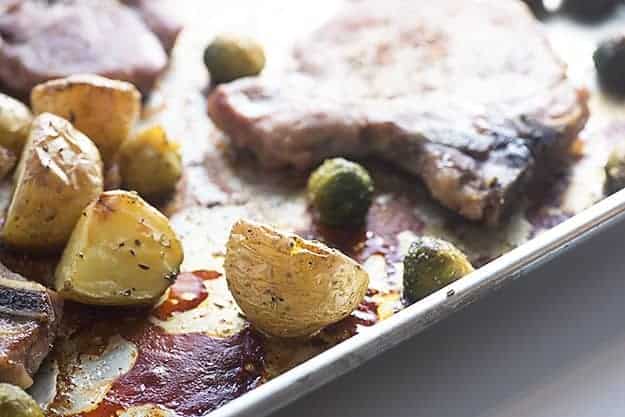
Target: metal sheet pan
{"x":575,"y":43}
{"x":416,"y":318}
{"x":179,"y":104}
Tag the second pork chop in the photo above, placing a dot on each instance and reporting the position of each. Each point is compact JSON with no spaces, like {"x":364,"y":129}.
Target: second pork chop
{"x":465,"y":94}
{"x":41,"y":40}
{"x":29,"y":320}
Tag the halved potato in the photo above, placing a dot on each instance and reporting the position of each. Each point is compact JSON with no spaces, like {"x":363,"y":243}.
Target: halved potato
{"x":288,"y":286}
{"x":59,"y":173}
{"x":103,"y":109}
{"x":122,"y":252}
{"x":15,"y":119}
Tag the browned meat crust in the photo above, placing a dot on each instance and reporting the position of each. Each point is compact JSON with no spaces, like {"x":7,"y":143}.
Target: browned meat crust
{"x":29,"y":319}
{"x":473,"y":113}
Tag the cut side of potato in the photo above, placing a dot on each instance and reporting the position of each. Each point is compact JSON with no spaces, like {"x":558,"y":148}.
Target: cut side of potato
{"x":122,"y":252}
{"x":103,"y":109}
{"x":59,"y":173}
{"x":288,"y":286}
{"x":15,"y":119}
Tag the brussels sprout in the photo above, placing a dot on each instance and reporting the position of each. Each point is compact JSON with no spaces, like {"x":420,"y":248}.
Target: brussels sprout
{"x":590,"y":9}
{"x":537,"y":7}
{"x":430,"y":265}
{"x":615,"y":172}
{"x":150,"y":163}
{"x":609,"y":60}
{"x":230,"y":57}
{"x":16,"y":403}
{"x":15,"y":119}
{"x":341,"y":191}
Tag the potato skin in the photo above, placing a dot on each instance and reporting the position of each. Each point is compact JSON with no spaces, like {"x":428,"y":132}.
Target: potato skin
{"x":59,"y":173}
{"x":122,"y":252}
{"x":15,"y":120}
{"x":103,"y":109}
{"x":287,"y":286}
{"x":150,"y":163}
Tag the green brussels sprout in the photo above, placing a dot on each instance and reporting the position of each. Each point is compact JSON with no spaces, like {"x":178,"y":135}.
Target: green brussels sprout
{"x":15,"y":119}
{"x":16,"y":403}
{"x":341,"y":191}
{"x":590,"y":9}
{"x":150,"y":163}
{"x":615,"y":173}
{"x":430,"y":265}
{"x":609,"y":60}
{"x":230,"y":57}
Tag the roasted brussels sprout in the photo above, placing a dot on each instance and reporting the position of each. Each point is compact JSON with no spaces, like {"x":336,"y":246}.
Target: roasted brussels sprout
{"x":430,"y":265}
{"x":230,"y":57}
{"x":341,"y":191}
{"x":589,"y":9}
{"x":122,"y":252}
{"x":537,"y":7}
{"x":59,"y":173}
{"x":288,"y":286}
{"x":150,"y":163}
{"x":16,"y":403}
{"x":15,"y":119}
{"x":103,"y":109}
{"x":609,"y":60}
{"x":615,"y":172}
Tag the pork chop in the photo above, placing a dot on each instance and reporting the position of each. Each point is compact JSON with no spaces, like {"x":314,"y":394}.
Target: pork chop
{"x":43,"y":40}
{"x":29,"y":320}
{"x":465,"y":94}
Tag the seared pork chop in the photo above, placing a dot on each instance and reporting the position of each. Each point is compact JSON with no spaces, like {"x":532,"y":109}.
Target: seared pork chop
{"x":42,"y":40}
{"x":465,"y":94}
{"x":29,"y":320}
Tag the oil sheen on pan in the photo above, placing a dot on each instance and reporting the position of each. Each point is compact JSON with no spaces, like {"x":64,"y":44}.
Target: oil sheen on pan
{"x":195,"y":350}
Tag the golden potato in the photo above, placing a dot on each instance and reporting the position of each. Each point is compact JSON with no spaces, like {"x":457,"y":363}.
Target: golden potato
{"x":122,"y":252}
{"x":15,"y":119}
{"x":288,"y":286}
{"x":103,"y":109}
{"x":150,"y":163}
{"x":59,"y":173}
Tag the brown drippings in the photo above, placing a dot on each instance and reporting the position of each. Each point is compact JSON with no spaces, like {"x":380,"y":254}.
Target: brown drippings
{"x":385,"y":221}
{"x":104,"y":409}
{"x":185,"y":294}
{"x":207,"y":275}
{"x":190,"y":374}
{"x":223,"y":369}
{"x":39,"y":268}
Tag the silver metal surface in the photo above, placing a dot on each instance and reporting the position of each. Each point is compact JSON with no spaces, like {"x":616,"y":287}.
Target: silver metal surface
{"x":414,"y":319}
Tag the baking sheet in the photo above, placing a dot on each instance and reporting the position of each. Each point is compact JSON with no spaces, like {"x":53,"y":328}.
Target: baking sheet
{"x":220,"y":187}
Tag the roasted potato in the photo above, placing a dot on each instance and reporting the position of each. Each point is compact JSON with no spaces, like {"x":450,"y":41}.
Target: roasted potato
{"x":103,"y":109}
{"x":15,"y":119}
{"x":288,"y":286}
{"x":122,"y":252}
{"x":150,"y":163}
{"x":59,"y":173}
